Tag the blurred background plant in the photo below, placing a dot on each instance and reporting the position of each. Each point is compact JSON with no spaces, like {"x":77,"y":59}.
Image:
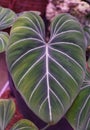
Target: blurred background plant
{"x":78,"y":8}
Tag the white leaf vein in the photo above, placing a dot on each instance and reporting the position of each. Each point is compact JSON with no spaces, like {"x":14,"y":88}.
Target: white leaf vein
{"x":42,"y":104}
{"x":30,"y":69}
{"x":6,"y":20}
{"x":55,"y":28}
{"x":68,"y":31}
{"x":24,"y":39}
{"x":2,"y":42}
{"x":22,"y":56}
{"x":70,"y":20}
{"x":36,"y":87}
{"x":31,"y":29}
{"x":88,"y":123}
{"x":60,"y":102}
{"x":30,"y":20}
{"x":39,"y":25}
{"x":47,"y":80}
{"x":67,"y":43}
{"x":68,"y":96}
{"x":79,"y":116}
{"x":23,"y":128}
{"x":86,"y":86}
{"x":64,"y":70}
{"x":67,"y":56}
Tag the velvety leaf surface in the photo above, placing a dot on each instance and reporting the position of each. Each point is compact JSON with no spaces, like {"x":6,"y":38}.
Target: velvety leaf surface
{"x":24,"y":125}
{"x":7,"y":109}
{"x":4,"y":37}
{"x":48,"y":75}
{"x":79,"y":114}
{"x":7,"y":17}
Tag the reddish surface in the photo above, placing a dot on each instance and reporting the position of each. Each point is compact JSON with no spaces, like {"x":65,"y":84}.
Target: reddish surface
{"x":17,"y":116}
{"x":25,"y":5}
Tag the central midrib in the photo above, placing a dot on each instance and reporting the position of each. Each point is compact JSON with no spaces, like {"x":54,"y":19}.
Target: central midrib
{"x":47,"y":79}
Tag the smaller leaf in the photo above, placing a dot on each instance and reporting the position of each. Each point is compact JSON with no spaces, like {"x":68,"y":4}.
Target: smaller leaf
{"x":87,"y":35}
{"x":7,"y":17}
{"x":24,"y":125}
{"x":79,"y":114}
{"x":7,"y":110}
{"x":88,"y":125}
{"x":4,"y":37}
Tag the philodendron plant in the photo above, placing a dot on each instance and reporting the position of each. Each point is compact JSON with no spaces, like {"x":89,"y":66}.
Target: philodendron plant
{"x":50,"y":76}
{"x":7,"y":17}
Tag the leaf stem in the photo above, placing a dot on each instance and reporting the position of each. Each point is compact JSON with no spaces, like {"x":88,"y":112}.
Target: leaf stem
{"x":45,"y":127}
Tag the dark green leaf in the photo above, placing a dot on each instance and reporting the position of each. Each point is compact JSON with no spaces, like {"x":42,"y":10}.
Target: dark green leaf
{"x":4,"y":38}
{"x":47,"y":75}
{"x":24,"y":125}
{"x":7,"y":109}
{"x":79,"y":114}
{"x":7,"y":17}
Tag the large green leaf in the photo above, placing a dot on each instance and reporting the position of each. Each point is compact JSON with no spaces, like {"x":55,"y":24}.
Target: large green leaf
{"x":7,"y":109}
{"x":7,"y":17}
{"x":48,"y":75}
{"x":24,"y":125}
{"x":4,"y":38}
{"x":79,"y":114}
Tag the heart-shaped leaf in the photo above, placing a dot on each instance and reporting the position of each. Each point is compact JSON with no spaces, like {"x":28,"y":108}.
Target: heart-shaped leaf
{"x":79,"y":114}
{"x":24,"y":125}
{"x":7,"y":17}
{"x":48,"y":75}
{"x":7,"y":109}
{"x":4,"y":37}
